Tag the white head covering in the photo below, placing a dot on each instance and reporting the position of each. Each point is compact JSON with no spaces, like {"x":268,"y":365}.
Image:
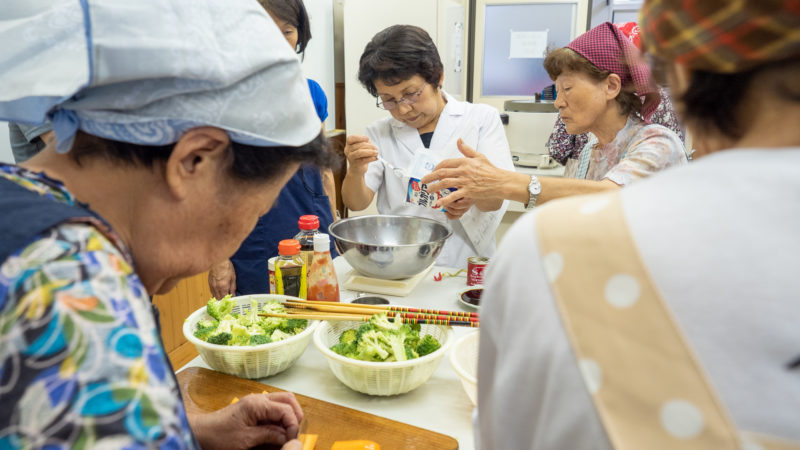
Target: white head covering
{"x":146,"y":71}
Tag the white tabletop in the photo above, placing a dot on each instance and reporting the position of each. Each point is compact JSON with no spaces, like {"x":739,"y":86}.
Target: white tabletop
{"x":439,"y":405}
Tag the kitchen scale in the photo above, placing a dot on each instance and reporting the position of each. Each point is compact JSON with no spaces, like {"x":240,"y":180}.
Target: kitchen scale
{"x":355,"y":281}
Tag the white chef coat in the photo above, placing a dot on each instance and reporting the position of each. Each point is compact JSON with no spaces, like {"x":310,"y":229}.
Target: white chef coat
{"x":723,"y":251}
{"x":480,"y":127}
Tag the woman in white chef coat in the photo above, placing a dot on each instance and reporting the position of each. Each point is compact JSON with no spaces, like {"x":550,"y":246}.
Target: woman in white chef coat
{"x":401,"y":67}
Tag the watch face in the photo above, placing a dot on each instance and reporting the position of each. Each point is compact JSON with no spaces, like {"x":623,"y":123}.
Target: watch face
{"x":535,"y":188}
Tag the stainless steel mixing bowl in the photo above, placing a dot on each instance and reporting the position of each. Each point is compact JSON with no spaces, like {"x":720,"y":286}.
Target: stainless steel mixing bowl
{"x":389,"y":247}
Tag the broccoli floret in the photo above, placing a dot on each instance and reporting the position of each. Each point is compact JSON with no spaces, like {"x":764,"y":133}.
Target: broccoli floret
{"x":270,"y":324}
{"x":384,"y":339}
{"x":382,"y":322}
{"x":240,"y":335}
{"x":428,"y":344}
{"x":347,"y":349}
{"x":205,"y":328}
{"x":279,"y":335}
{"x":220,"y":339}
{"x":412,"y":335}
{"x":395,"y":341}
{"x":218,"y":309}
{"x":252,"y":317}
{"x":371,"y":347}
{"x":416,"y":327}
{"x":249,"y":328}
{"x":294,"y":326}
{"x":226,"y":324}
{"x":363,"y":329}
{"x":259,"y":339}
{"x":348,"y":336}
{"x":273,"y":307}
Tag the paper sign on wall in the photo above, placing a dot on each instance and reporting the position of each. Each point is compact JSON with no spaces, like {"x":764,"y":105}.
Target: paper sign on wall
{"x":528,"y":44}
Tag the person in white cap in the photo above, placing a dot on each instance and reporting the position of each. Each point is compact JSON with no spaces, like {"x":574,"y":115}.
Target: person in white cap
{"x":176,"y":124}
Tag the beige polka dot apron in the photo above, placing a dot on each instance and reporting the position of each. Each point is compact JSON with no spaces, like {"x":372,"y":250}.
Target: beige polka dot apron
{"x":646,"y":384}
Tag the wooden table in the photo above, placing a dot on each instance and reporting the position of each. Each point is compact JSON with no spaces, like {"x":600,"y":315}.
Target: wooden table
{"x":206,"y":390}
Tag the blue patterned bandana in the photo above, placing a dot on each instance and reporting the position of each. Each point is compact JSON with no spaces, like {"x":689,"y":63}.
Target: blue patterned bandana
{"x":146,"y":71}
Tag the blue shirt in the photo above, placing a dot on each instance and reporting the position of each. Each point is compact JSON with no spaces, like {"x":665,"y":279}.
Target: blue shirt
{"x":81,"y":359}
{"x":302,"y":195}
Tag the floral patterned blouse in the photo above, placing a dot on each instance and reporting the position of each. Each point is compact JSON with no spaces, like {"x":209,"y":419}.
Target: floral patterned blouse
{"x":638,"y":151}
{"x":81,"y":360}
{"x":564,"y":146}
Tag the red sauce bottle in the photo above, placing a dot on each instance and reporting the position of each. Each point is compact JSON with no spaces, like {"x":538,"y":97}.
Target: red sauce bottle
{"x":322,"y":282}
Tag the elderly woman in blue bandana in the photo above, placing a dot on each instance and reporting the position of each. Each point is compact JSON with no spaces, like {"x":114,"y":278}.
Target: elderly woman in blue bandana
{"x":176,"y":125}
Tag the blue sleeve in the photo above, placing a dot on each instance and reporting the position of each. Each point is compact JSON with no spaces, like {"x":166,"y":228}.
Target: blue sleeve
{"x":320,"y":100}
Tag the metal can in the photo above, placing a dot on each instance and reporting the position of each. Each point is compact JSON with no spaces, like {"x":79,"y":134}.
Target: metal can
{"x":475,"y":268}
{"x":271,"y":275}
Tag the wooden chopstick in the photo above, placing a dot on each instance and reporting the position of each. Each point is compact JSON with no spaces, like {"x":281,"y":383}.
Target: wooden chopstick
{"x":429,"y":320}
{"x":336,"y":306}
{"x":367,"y":312}
{"x":318,"y":316}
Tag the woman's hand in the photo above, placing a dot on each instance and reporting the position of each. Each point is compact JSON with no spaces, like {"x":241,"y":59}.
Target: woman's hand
{"x":474,"y":176}
{"x":458,"y":208}
{"x":359,"y":151}
{"x":256,"y":419}
{"x":222,"y":279}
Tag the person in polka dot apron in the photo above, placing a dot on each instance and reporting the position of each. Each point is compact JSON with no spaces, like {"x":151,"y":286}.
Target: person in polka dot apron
{"x":665,"y":315}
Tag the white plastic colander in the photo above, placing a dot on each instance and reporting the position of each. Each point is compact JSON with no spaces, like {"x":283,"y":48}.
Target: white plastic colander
{"x":464,"y":359}
{"x":380,"y":378}
{"x":256,"y":361}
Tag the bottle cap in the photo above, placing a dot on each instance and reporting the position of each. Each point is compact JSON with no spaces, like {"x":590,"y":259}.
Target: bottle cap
{"x":288,"y":247}
{"x":322,"y":243}
{"x":308,"y":222}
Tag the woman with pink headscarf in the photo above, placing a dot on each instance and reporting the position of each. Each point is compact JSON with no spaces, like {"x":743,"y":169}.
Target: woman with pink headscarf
{"x":603,"y":88}
{"x":564,"y":146}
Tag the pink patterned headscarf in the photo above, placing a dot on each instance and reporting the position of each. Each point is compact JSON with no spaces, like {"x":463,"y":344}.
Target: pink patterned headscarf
{"x":607,"y":47}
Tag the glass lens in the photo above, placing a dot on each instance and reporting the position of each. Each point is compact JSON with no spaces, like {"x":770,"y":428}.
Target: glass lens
{"x":387,"y":105}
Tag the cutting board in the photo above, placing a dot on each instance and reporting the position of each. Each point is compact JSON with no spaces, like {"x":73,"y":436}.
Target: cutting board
{"x":355,"y":281}
{"x":207,"y":390}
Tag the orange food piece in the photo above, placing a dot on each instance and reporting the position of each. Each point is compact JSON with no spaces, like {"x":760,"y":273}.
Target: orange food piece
{"x":361,"y":444}
{"x":235,"y":399}
{"x":309,"y":441}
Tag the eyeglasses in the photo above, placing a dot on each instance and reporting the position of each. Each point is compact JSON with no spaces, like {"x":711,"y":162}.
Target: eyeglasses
{"x":408,"y":99}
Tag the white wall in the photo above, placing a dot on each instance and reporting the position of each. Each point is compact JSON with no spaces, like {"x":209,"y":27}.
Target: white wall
{"x":319,"y":60}
{"x":5,"y":146}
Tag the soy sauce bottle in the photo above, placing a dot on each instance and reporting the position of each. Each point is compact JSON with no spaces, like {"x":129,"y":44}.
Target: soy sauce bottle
{"x":309,"y":225}
{"x":290,"y":270}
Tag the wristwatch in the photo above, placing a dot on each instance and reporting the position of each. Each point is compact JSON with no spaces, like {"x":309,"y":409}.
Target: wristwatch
{"x":534,"y":189}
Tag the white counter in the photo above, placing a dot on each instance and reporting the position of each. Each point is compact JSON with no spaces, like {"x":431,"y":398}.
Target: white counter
{"x":439,"y":405}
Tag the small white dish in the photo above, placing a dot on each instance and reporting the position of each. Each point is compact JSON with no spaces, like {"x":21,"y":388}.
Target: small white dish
{"x":471,"y":297}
